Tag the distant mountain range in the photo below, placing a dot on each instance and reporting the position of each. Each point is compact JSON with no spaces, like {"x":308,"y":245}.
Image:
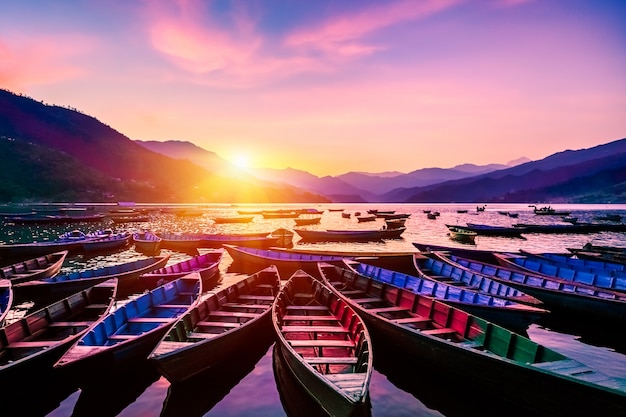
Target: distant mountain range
{"x":54,"y":153}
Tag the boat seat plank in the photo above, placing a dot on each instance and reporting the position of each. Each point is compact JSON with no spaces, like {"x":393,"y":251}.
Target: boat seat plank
{"x":351,"y":292}
{"x":217,"y":324}
{"x":392,"y":309}
{"x":255,"y":306}
{"x":321,"y":343}
{"x":309,"y":318}
{"x":316,"y":329}
{"x":412,"y":320}
{"x":149,"y":320}
{"x":347,"y":381}
{"x":32,"y":344}
{"x":171,"y":306}
{"x":220,"y":313}
{"x":97,"y":306}
{"x":557,"y":365}
{"x":439,"y":331}
{"x":122,"y":336}
{"x":167,"y":346}
{"x":331,"y":360}
{"x":256,"y":297}
{"x":367,"y":300}
{"x":70,"y":324}
{"x":307,"y":308}
{"x":197,"y":335}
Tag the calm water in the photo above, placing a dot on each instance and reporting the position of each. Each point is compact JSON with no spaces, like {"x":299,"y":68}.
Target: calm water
{"x":257,"y":387}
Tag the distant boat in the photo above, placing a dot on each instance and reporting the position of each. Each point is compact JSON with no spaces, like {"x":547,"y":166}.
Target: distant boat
{"x":366,"y":218}
{"x":304,"y":221}
{"x":349,"y":235}
{"x":108,"y":243}
{"x":461,"y":234}
{"x":488,"y":230}
{"x":147,"y":242}
{"x":233,"y":219}
{"x":207,"y":265}
{"x":37,"y":268}
{"x":549,"y":211}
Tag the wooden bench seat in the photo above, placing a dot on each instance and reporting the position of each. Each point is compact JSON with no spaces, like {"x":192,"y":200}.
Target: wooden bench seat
{"x":150,"y":320}
{"x":235,"y":314}
{"x":316,"y":329}
{"x":122,"y":336}
{"x":412,"y":320}
{"x":70,"y":324}
{"x":322,"y":343}
{"x":307,"y":308}
{"x":367,"y":300}
{"x":254,"y":306}
{"x":224,"y":324}
{"x":347,"y":381}
{"x":440,"y":331}
{"x":331,"y":360}
{"x":97,"y":306}
{"x":171,"y":306}
{"x":348,"y":293}
{"x":392,"y":309}
{"x":32,"y":344}
{"x":309,"y":318}
{"x":199,"y":335}
{"x":256,"y":297}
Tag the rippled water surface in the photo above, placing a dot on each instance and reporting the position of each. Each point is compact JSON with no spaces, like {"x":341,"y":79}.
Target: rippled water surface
{"x":253,"y":387}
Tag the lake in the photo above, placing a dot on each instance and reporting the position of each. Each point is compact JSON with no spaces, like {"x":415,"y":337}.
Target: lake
{"x":257,"y":386}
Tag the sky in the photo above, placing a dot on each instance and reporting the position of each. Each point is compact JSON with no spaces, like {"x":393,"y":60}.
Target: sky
{"x":331,"y":86}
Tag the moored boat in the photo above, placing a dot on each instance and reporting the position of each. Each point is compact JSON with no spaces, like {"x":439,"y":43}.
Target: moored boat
{"x":489,"y":230}
{"x":31,"y":345}
{"x":233,"y":219}
{"x":349,"y":235}
{"x":261,"y":240}
{"x":324,"y":343}
{"x":549,"y":211}
{"x":183,"y":242}
{"x":207,"y":265}
{"x":220,"y":328}
{"x":463,"y":346}
{"x":44,"y":290}
{"x":461,"y":234}
{"x":108,"y":243}
{"x":6,"y":299}
{"x":506,"y":313}
{"x":41,"y":267}
{"x":305,"y":221}
{"x":128,"y":334}
{"x":147,"y":242}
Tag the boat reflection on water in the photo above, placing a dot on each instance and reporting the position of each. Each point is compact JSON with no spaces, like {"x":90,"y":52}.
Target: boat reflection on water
{"x":21,"y":401}
{"x":295,"y":400}
{"x":199,"y":394}
{"x":108,"y":396}
{"x":452,"y":397}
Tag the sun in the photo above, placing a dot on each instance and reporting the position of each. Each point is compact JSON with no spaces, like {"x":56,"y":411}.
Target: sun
{"x":241,"y":161}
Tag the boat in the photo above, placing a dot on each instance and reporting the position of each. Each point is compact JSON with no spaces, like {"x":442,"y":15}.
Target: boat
{"x":233,"y":219}
{"x":147,"y":242}
{"x":287,"y":262}
{"x":395,"y":223}
{"x":346,"y":215}
{"x":31,"y":345}
{"x":207,"y":265}
{"x":431,"y":216}
{"x":463,"y":346}
{"x":109,"y":243}
{"x":462,"y":211}
{"x":324,"y":344}
{"x":437,"y":267}
{"x":607,"y":253}
{"x":609,"y":218}
{"x":609,"y":279}
{"x":391,"y":216}
{"x":136,"y":218}
{"x":65,"y":242}
{"x":586,"y":303}
{"x":53,"y":219}
{"x":478,"y":254}
{"x":549,"y":211}
{"x":305,"y":221}
{"x":44,"y":290}
{"x":250,"y":240}
{"x":589,"y":265}
{"x":461,"y":234}
{"x":489,"y":230}
{"x":280,"y":214}
{"x":480,"y":209}
{"x":506,"y":313}
{"x":569,"y":219}
{"x":128,"y":334}
{"x":182,"y":242}
{"x":6,"y":299}
{"x":37,"y":268}
{"x":219,"y":329}
{"x":366,"y":218}
{"x":349,"y":235}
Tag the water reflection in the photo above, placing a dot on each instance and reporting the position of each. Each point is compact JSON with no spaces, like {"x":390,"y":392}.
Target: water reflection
{"x":107,"y":396}
{"x":198,"y":395}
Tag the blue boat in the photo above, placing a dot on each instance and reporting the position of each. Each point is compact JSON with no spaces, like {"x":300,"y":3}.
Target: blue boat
{"x":512,"y":315}
{"x":603,"y":278}
{"x":128,"y":334}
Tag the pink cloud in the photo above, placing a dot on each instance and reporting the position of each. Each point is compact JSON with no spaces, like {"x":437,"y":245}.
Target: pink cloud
{"x":342,"y":35}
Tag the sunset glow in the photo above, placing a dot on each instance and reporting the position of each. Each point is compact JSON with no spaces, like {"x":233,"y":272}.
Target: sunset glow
{"x":331,"y":87}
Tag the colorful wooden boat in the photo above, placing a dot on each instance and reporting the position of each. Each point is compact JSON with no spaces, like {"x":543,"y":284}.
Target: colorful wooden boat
{"x":461,"y":234}
{"x":324,"y":343}
{"x":366,"y":218}
{"x":37,"y":268}
{"x":549,"y":211}
{"x":147,"y":242}
{"x":183,"y":242}
{"x":71,"y":242}
{"x":610,"y":280}
{"x":489,"y":230}
{"x":437,"y":267}
{"x":219,"y":329}
{"x":233,"y":219}
{"x":54,"y":219}
{"x":585,"y":302}
{"x":31,"y":345}
{"x":109,"y":243}
{"x":305,"y":221}
{"x":475,"y":352}
{"x":128,"y":334}
{"x":45,"y":290}
{"x":207,"y":265}
{"x":349,"y":235}
{"x":589,"y":265}
{"x":260,"y":240}
{"x":253,"y":259}
{"x":6,"y":299}
{"x":510,"y":314}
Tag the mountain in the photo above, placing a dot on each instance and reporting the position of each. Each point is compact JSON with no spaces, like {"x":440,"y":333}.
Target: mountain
{"x":66,"y":143}
{"x":178,"y":149}
{"x":568,"y":176}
